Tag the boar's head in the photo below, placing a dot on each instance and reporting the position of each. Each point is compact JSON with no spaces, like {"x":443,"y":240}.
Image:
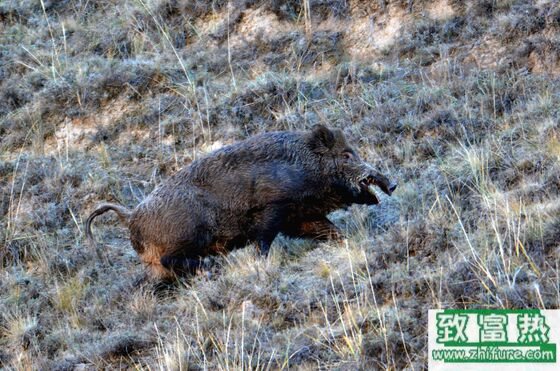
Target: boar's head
{"x":342,"y":167}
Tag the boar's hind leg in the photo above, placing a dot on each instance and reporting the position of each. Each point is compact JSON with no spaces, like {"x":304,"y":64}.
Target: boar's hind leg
{"x":184,"y":258}
{"x":180,"y":265}
{"x":320,"y":230}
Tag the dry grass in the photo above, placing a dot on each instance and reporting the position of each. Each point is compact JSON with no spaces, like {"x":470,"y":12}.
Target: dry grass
{"x":102,"y":100}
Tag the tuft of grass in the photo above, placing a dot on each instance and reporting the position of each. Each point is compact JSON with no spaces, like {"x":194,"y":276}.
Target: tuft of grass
{"x":17,"y":329}
{"x":68,"y":296}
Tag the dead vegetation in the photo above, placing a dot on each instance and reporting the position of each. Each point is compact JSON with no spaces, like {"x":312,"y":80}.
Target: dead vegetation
{"x":101,"y":100}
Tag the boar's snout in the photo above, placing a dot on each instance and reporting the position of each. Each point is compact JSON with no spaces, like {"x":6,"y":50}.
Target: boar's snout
{"x":392,"y":188}
{"x":387,"y":186}
{"x":374,"y":178}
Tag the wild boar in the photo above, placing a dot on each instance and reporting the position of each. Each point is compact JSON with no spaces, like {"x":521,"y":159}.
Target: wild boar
{"x":278,"y":182}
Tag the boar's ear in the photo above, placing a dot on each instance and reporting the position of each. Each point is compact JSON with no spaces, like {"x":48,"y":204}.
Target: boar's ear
{"x":321,"y":139}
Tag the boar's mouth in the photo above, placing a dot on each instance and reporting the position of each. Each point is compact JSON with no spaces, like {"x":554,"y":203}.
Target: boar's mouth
{"x":367,"y":186}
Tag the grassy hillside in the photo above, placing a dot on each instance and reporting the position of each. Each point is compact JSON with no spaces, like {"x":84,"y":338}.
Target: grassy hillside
{"x":102,"y":100}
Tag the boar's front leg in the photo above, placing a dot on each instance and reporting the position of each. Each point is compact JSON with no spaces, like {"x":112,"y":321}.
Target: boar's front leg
{"x":264,"y":240}
{"x":267,"y":226}
{"x":320,"y":230}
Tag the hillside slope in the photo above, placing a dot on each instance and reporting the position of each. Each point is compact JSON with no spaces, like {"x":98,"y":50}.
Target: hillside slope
{"x":102,"y":100}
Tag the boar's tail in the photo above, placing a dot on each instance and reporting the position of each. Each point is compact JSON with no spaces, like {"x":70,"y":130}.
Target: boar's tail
{"x":122,"y":212}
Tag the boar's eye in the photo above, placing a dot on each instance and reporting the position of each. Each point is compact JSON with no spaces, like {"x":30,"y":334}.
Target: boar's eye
{"x":347,"y":155}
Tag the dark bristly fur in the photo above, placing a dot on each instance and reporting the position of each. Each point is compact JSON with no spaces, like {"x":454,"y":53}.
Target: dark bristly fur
{"x":280,"y":182}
